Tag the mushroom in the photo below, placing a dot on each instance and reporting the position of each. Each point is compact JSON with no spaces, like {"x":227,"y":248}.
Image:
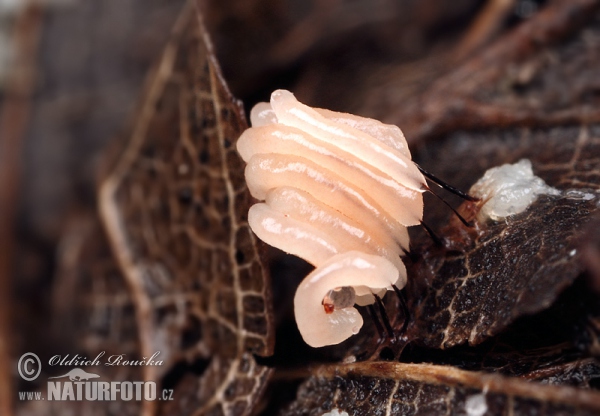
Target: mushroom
{"x":339,"y":191}
{"x":324,"y":301}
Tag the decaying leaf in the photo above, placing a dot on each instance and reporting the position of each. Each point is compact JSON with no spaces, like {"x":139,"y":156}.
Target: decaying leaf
{"x":174,"y":208}
{"x":173,"y":266}
{"x":523,"y":79}
{"x":591,"y":253}
{"x":484,"y":279}
{"x":554,"y":345}
{"x":420,"y":389}
{"x":95,"y":315}
{"x":489,"y":276}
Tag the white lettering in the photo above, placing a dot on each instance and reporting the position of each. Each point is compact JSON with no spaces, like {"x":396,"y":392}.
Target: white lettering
{"x":91,"y":391}
{"x":79,"y":386}
{"x":67,"y":393}
{"x":103,"y":393}
{"x":97,"y":391}
{"x":126,"y":390}
{"x":54,"y":390}
{"x":150,"y":390}
{"x":114,"y":388}
{"x":138,"y":389}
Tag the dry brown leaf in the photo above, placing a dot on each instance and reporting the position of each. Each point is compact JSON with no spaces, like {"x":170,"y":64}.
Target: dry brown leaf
{"x":94,"y":313}
{"x":481,"y":282}
{"x":420,"y":389}
{"x":174,"y":207}
{"x":186,"y":278}
{"x":523,"y":79}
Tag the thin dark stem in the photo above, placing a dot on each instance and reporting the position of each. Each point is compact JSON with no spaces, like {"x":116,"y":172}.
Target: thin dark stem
{"x":460,"y":217}
{"x":413,"y":257}
{"x":446,"y":186}
{"x":384,"y":316}
{"x":434,"y":237}
{"x":404,"y":306}
{"x":378,"y":325}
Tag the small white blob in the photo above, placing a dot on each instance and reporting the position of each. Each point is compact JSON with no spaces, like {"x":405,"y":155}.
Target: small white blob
{"x":336,"y":412}
{"x":349,"y":359}
{"x":509,"y":189}
{"x":476,"y":405}
{"x":580,"y":195}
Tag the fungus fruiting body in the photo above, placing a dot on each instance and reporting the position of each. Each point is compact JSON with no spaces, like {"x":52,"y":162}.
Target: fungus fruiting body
{"x":339,"y":191}
{"x":508,"y":190}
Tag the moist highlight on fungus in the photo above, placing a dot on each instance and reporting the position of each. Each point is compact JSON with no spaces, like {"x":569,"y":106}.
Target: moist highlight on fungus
{"x":337,"y":190}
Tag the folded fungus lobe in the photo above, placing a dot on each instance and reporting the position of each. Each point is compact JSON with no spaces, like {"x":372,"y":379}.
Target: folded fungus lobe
{"x":339,"y":191}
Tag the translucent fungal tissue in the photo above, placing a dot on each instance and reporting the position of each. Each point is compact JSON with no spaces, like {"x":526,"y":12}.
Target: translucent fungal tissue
{"x":339,"y":191}
{"x":508,"y":190}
